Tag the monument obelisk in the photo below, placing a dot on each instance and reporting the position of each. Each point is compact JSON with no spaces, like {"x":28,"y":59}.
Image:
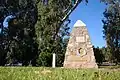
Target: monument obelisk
{"x":79,"y":53}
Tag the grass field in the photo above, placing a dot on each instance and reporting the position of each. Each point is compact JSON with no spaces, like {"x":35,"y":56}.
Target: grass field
{"x":41,"y":73}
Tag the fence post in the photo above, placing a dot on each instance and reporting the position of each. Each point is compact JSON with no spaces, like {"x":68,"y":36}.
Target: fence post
{"x":53,"y":60}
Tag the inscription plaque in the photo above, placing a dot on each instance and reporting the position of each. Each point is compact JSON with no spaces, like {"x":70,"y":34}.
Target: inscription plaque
{"x":80,"y":39}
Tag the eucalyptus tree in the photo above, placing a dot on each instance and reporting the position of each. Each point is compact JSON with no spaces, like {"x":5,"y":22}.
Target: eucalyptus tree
{"x":112,"y":29}
{"x":52,"y":25}
{"x":19,"y":32}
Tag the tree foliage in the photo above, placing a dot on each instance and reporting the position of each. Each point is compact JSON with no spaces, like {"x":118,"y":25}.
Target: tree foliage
{"x":18,"y":41}
{"x":112,"y":29}
{"x":99,"y":54}
{"x":18,"y":38}
{"x":52,"y":26}
{"x":48,"y":22}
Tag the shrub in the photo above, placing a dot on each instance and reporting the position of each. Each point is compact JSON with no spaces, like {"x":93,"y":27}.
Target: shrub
{"x":45,"y":59}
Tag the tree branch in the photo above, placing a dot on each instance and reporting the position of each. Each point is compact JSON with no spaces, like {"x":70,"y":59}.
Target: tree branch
{"x":71,"y":10}
{"x":66,"y":16}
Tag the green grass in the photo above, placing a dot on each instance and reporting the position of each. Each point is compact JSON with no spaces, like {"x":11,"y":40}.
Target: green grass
{"x":41,"y":73}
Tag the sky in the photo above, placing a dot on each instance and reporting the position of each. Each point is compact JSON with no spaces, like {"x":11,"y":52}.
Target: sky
{"x":92,"y":15}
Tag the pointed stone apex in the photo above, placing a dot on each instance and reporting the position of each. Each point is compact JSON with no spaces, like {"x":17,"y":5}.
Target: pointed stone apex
{"x":79,"y":23}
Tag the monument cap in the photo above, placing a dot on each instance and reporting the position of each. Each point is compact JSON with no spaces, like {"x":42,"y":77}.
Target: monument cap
{"x":79,"y":23}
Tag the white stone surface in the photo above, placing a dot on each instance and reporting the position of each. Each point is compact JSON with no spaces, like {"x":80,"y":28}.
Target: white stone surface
{"x":79,"y":23}
{"x":71,"y":45}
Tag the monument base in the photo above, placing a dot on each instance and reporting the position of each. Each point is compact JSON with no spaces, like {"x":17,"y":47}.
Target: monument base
{"x":79,"y":65}
{"x":80,"y":62}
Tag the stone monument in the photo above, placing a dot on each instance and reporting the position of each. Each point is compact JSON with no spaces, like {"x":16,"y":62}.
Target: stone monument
{"x":79,"y":53}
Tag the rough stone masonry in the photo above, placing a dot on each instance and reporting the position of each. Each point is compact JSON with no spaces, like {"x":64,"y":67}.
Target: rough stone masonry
{"x":79,"y":53}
